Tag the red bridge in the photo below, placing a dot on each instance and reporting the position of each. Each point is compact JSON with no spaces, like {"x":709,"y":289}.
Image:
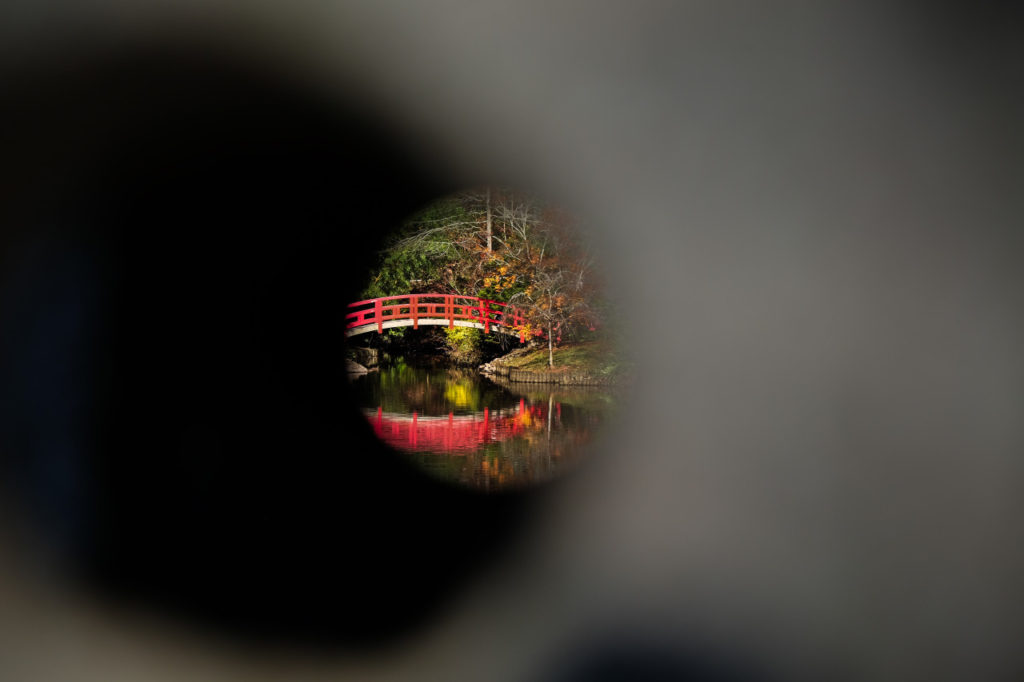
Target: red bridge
{"x":452,"y":310}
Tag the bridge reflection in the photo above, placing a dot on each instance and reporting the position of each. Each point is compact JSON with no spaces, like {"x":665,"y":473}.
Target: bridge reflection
{"x":463,"y":428}
{"x":464,"y":433}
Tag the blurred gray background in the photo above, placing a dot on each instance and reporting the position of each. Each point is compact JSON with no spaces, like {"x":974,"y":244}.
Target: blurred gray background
{"x":810,"y":214}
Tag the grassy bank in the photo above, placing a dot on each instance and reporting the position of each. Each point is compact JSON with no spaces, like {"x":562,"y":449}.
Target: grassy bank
{"x":593,"y":359}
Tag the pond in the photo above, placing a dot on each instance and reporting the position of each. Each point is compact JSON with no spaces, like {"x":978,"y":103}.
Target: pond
{"x":471,"y":430}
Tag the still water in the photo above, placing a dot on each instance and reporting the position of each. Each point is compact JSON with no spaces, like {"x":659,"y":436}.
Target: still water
{"x":470,"y":430}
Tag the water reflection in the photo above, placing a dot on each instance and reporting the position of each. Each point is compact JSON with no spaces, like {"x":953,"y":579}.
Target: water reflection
{"x":468,"y":429}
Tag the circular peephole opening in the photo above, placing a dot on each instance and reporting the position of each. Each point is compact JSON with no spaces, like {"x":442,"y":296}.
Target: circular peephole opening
{"x":482,"y":346}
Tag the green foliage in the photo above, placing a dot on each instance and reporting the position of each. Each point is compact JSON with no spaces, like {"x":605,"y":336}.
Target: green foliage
{"x":465,"y":344}
{"x":443,"y":211}
{"x":421,"y":255}
{"x":500,"y":245}
{"x":398,"y":272}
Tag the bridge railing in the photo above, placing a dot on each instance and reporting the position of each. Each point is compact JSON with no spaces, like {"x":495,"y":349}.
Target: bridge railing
{"x":450,"y":307}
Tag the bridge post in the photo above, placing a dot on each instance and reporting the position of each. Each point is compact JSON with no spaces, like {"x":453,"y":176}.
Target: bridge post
{"x":413,"y":305}
{"x":378,"y":312}
{"x":451,"y":311}
{"x":486,"y":313}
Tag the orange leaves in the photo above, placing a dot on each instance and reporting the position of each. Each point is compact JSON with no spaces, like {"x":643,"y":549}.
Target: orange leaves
{"x":496,"y":283}
{"x":502,"y":279}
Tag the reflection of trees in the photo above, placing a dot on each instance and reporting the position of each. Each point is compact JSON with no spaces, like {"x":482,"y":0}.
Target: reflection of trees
{"x":508,"y":448}
{"x":593,"y":397}
{"x":500,"y":435}
{"x":404,"y":388}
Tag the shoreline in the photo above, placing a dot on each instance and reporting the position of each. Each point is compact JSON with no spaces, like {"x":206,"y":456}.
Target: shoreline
{"x":585,"y":364}
{"x":589,"y":367}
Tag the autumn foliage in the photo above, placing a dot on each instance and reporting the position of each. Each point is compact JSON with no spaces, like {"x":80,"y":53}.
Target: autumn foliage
{"x":502,"y":245}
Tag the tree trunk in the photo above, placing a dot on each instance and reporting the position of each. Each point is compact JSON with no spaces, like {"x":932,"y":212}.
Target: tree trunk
{"x":488,"y":219}
{"x":551,"y":348}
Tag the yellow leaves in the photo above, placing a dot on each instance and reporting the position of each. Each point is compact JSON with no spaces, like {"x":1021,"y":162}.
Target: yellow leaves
{"x":501,"y":280}
{"x":459,"y":394}
{"x":526,"y":329}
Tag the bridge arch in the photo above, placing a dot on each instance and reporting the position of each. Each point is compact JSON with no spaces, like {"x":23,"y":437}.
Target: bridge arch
{"x":451,"y":310}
